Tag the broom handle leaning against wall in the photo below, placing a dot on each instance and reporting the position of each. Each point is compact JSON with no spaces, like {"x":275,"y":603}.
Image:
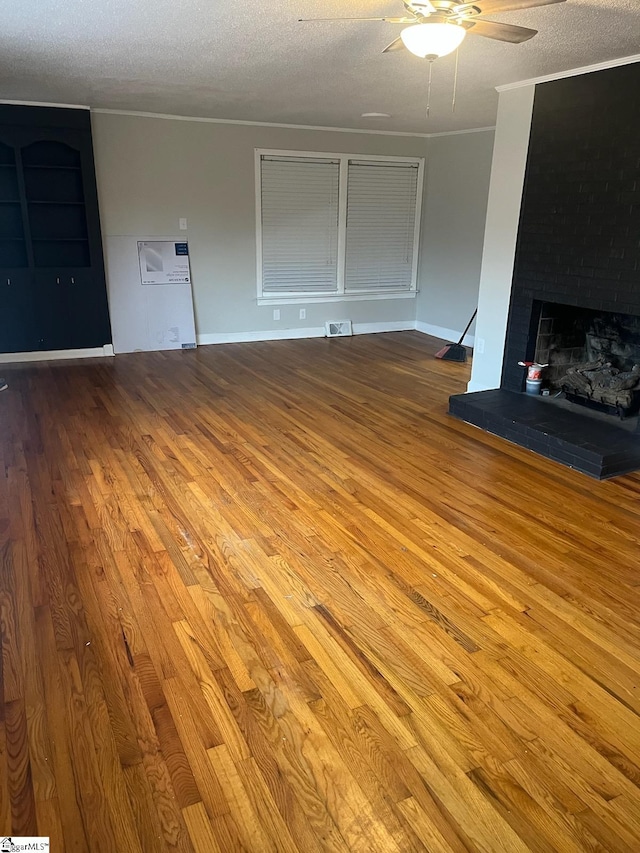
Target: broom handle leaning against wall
{"x":468,"y":326}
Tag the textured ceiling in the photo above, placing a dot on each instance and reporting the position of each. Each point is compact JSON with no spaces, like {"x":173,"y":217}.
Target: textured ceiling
{"x":253,"y":61}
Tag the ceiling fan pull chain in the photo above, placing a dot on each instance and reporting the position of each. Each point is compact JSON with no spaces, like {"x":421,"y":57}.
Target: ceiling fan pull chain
{"x":455,"y":82}
{"x":429,"y":88}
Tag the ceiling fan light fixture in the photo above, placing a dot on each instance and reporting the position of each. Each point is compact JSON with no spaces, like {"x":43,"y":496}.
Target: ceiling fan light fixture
{"x":432,"y":38}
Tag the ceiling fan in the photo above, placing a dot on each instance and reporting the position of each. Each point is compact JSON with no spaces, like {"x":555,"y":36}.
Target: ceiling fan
{"x":437,"y":27}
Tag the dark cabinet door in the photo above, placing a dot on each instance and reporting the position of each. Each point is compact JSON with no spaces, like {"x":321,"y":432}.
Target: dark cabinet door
{"x":18,"y":332}
{"x":88,"y":309}
{"x":71,"y":310}
{"x":50,"y":298}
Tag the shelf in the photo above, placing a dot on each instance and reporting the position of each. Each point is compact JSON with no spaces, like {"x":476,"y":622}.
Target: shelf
{"x":60,"y":240}
{"x":9,"y":201}
{"x":11,"y":239}
{"x":13,"y":257}
{"x":29,"y":201}
{"x":57,"y":168}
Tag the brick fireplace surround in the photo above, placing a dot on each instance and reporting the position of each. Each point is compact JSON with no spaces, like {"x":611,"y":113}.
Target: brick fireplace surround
{"x":578,"y":245}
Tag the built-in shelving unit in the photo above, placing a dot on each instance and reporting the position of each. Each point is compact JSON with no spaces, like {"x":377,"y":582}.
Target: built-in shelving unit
{"x":55,"y":201}
{"x":52,"y":282}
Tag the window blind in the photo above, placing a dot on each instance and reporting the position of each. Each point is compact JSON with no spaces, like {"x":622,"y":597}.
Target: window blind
{"x":381,"y":218}
{"x":299,"y":225}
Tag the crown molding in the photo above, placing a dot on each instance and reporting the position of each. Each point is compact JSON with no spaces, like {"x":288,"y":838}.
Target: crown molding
{"x":242,"y":122}
{"x":571,"y":72}
{"x":45,"y":104}
{"x":459,"y":132}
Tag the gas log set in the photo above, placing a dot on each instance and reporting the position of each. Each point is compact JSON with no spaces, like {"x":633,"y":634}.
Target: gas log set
{"x":603,"y":386}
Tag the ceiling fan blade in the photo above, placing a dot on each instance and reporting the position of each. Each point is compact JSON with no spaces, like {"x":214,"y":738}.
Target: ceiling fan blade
{"x":397,"y":44}
{"x":492,"y":7}
{"x":331,"y":20}
{"x":500,"y":32}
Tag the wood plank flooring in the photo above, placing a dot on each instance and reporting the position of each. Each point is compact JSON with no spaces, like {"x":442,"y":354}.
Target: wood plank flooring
{"x":270,"y":597}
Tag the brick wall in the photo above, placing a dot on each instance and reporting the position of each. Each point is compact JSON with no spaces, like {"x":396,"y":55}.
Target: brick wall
{"x":579,"y":233}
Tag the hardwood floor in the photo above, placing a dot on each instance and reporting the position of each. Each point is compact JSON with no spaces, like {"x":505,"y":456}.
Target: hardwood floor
{"x":270,"y":597}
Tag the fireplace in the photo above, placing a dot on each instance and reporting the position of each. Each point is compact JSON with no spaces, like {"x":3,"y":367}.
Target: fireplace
{"x":575,"y":298}
{"x":589,"y":421}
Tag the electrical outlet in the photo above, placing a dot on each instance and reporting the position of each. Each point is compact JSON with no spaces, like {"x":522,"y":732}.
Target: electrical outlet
{"x":276,"y":313}
{"x":182,"y":222}
{"x":478,"y":345}
{"x":303,"y":313}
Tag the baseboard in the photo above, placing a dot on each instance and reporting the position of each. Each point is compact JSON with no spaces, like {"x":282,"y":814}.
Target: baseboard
{"x":308,"y":332}
{"x":264,"y":335}
{"x":393,"y":326}
{"x":450,"y":335}
{"x":472,"y":387}
{"x":56,"y":354}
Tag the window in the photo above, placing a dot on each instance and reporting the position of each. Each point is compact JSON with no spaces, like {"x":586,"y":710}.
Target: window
{"x":333,"y":227}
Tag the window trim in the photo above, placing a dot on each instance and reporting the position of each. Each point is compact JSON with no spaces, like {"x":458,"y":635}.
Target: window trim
{"x":340,"y":295}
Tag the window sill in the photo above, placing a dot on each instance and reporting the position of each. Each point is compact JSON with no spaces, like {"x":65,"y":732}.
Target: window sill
{"x":305,"y":299}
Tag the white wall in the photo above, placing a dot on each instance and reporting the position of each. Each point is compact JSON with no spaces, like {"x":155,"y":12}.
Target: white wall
{"x":457,"y":187}
{"x":513,"y":127}
{"x":151,"y":171}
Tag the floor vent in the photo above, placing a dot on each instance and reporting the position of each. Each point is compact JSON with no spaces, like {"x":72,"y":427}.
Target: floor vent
{"x":338,"y":328}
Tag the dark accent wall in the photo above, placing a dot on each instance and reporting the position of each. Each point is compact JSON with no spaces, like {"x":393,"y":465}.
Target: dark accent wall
{"x":579,"y":233}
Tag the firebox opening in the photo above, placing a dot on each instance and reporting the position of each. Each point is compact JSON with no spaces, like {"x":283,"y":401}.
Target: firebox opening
{"x":593,"y":356}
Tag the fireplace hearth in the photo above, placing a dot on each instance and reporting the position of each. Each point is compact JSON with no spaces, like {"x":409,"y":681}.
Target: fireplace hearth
{"x":590,"y":419}
{"x":593,"y":374}
{"x":585,"y":440}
